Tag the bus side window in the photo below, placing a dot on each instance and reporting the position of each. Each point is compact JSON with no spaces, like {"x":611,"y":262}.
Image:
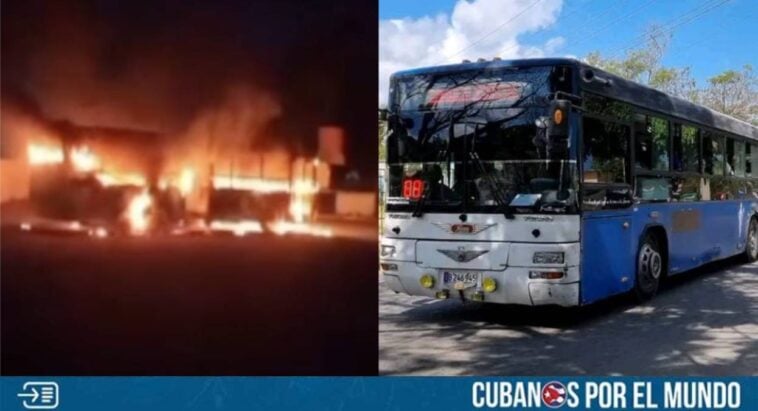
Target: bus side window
{"x":721,"y":188}
{"x":651,"y":143}
{"x":685,"y":189}
{"x":735,"y":156}
{"x":653,"y":189}
{"x":751,"y":161}
{"x":605,"y":153}
{"x":713,"y":153}
{"x":749,"y":153}
{"x":686,"y":149}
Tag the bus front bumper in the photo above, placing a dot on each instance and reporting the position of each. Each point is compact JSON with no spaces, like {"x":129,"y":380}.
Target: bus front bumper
{"x":514,"y":285}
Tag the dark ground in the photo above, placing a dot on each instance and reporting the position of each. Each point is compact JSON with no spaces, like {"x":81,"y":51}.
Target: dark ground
{"x":261,"y":305}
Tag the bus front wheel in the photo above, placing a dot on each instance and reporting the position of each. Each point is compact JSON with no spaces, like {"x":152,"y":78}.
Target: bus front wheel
{"x":649,"y":268}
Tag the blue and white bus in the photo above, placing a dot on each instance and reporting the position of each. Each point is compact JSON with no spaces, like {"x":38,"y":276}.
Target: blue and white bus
{"x":548,"y":181}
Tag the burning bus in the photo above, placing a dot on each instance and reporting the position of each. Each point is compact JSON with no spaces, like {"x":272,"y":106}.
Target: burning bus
{"x":104,"y":182}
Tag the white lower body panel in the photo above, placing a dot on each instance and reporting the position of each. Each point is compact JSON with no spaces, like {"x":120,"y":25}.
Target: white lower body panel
{"x":496,"y":247}
{"x":513,"y":285}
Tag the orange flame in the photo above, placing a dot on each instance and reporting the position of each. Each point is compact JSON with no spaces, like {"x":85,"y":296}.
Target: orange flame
{"x":120,"y":179}
{"x":251,"y":183}
{"x":301,"y":203}
{"x":99,"y":232}
{"x":187,"y":181}
{"x":137,"y":213}
{"x":41,"y":154}
{"x":237,"y":227}
{"x":84,"y":160}
{"x":283,"y":227}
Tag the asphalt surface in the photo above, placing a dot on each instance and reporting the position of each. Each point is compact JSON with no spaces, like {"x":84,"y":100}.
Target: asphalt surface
{"x":262,"y":305}
{"x":703,"y":322}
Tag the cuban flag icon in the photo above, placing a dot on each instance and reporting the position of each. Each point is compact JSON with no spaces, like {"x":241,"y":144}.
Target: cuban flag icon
{"x":553,"y":394}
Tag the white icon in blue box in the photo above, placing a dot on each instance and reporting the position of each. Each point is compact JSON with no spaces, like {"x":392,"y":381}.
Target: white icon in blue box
{"x":39,"y":395}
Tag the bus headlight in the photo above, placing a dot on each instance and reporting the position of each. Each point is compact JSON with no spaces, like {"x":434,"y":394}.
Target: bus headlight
{"x":388,"y":250}
{"x":489,"y":284}
{"x":548,"y":257}
{"x":426,"y":281}
{"x":388,"y":267}
{"x":546,"y":275}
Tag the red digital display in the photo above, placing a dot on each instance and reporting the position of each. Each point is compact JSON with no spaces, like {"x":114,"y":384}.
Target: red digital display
{"x":413,"y":188}
{"x":488,"y":92}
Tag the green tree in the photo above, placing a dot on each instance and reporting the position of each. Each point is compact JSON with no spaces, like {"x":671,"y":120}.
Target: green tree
{"x":643,"y":65}
{"x":734,"y":93}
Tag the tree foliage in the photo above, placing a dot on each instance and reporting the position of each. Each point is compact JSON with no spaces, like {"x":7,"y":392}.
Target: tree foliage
{"x":733,"y":92}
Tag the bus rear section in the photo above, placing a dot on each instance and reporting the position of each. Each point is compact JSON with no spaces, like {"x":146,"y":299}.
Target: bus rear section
{"x":662,"y":193}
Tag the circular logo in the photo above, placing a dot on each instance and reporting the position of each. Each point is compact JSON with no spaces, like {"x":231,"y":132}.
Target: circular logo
{"x":553,"y":394}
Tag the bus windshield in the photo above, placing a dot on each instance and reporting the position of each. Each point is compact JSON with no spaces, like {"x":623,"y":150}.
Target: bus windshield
{"x":475,"y":141}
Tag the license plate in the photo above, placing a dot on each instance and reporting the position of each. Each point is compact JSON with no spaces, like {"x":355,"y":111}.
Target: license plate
{"x":461,"y":279}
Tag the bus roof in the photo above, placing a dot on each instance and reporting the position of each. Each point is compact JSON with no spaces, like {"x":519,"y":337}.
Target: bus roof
{"x":618,"y":88}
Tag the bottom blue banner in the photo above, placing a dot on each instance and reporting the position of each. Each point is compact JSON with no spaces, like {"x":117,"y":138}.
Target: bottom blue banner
{"x":376,"y":393}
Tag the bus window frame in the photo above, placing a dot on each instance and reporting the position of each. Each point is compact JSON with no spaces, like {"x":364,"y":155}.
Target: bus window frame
{"x":670,"y":173}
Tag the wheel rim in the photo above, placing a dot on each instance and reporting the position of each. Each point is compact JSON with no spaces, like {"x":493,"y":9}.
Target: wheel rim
{"x":650,"y":265}
{"x":752,"y":242}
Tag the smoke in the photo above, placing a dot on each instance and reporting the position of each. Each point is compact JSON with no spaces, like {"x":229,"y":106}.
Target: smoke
{"x":163,"y":65}
{"x":232,"y":126}
{"x":154,"y":68}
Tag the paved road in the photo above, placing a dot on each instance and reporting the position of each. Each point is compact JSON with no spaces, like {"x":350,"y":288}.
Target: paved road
{"x":705,"y":323}
{"x":187,"y":305}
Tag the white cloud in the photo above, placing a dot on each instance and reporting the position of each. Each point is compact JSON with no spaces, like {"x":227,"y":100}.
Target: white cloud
{"x":467,"y":33}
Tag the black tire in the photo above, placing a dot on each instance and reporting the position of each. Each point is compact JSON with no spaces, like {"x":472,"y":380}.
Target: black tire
{"x":650,"y":268}
{"x":751,"y":245}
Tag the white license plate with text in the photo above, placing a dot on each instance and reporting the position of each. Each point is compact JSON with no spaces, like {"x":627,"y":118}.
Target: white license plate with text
{"x":465,"y":279}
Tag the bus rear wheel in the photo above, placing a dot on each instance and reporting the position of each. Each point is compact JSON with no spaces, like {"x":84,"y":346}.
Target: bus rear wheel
{"x":751,"y":248}
{"x":649,"y":268}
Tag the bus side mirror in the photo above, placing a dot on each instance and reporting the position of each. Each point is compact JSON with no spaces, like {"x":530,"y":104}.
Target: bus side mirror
{"x":557,"y":125}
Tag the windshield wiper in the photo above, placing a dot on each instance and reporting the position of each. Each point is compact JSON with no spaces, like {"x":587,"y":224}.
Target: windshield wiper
{"x":497,"y":190}
{"x":418,"y":210}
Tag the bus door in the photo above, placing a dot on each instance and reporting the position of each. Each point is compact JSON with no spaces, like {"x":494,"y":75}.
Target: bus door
{"x":608,"y":248}
{"x":608,"y":243}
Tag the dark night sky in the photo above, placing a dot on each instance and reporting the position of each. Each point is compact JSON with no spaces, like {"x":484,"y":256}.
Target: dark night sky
{"x":154,"y":64}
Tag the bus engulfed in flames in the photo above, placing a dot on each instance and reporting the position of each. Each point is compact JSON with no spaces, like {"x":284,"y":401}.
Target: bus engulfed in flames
{"x":145,"y":210}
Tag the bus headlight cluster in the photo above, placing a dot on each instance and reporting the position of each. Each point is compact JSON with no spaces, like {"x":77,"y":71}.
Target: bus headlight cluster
{"x":388,"y":266}
{"x":426,"y":281}
{"x":388,"y":250}
{"x":548,"y":257}
{"x":546,"y":275}
{"x":489,"y":284}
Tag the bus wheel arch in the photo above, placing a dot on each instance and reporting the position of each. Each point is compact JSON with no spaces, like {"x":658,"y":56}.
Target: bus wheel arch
{"x":651,"y":262}
{"x":751,"y":244}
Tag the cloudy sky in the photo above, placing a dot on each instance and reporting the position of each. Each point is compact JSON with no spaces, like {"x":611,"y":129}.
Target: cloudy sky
{"x":708,"y":35}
